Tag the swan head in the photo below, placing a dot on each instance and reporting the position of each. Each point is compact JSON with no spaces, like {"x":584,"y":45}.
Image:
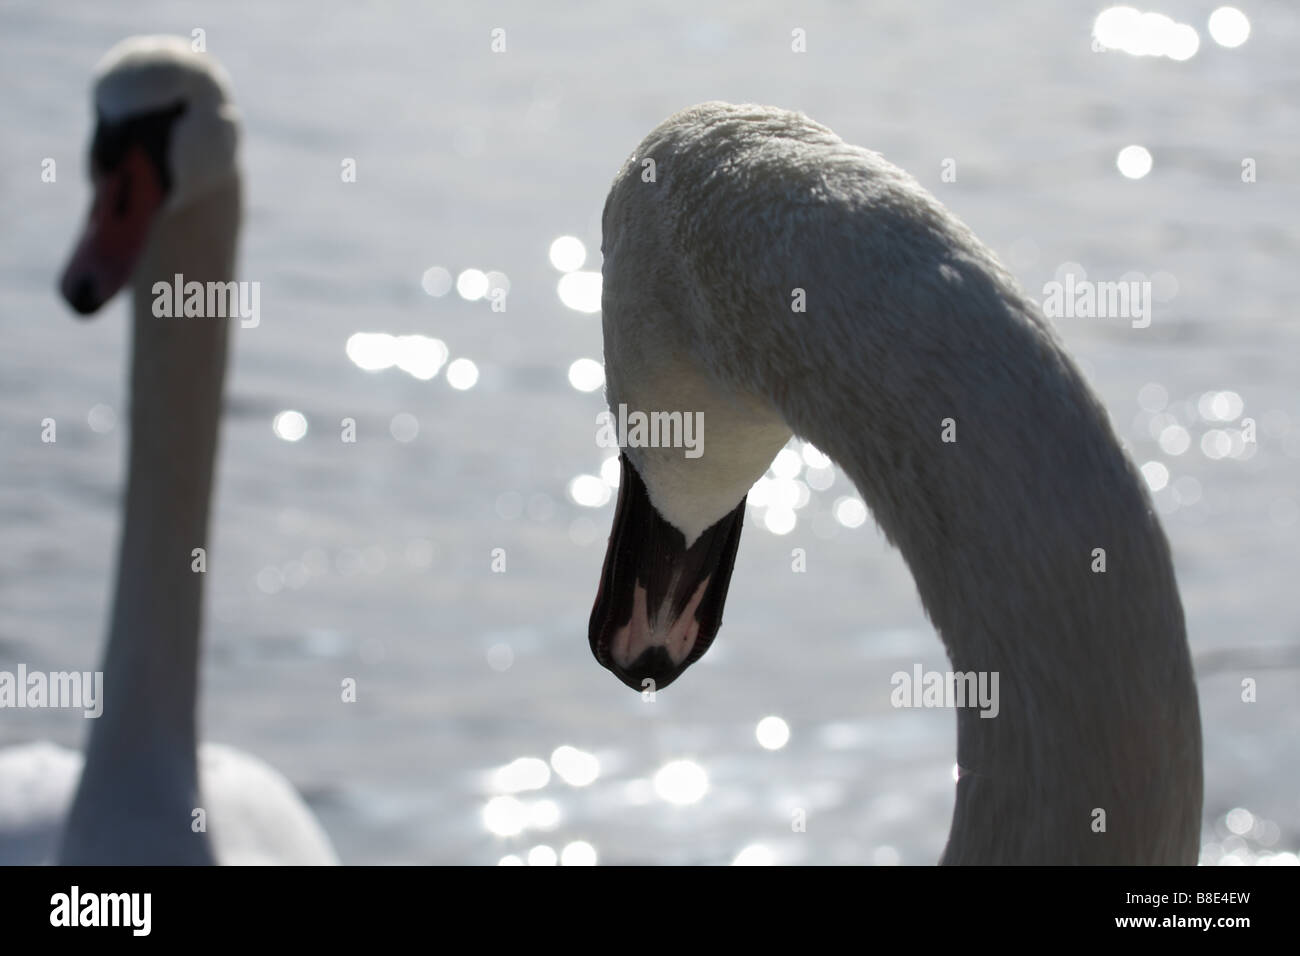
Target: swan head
{"x":693,"y":441}
{"x":166,"y":134}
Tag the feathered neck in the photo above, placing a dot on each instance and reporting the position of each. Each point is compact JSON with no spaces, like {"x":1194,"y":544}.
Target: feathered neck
{"x":139,"y":787}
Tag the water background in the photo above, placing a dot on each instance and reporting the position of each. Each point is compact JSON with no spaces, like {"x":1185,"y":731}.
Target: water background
{"x":373,"y":560}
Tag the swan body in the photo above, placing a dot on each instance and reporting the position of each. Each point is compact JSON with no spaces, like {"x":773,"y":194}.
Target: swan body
{"x":908,"y":324}
{"x":167,"y":201}
{"x":38,"y":782}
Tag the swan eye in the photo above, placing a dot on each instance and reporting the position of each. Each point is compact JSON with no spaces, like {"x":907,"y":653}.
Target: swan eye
{"x":150,"y":131}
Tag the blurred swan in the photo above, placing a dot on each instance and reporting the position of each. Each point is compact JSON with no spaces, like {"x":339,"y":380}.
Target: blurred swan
{"x":761,"y":271}
{"x":166,"y":201}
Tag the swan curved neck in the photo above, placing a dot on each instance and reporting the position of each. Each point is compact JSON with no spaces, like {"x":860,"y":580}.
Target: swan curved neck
{"x":815,"y":277}
{"x":140,"y":783}
{"x":1095,"y":753}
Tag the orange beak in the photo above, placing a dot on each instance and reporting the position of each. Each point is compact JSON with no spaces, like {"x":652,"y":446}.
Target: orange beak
{"x":125,"y":203}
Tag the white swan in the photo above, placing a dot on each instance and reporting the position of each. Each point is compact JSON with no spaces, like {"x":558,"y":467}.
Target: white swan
{"x":167,"y":201}
{"x":909,"y":321}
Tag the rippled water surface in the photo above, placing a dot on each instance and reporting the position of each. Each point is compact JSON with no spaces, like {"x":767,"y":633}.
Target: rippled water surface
{"x":483,"y":730}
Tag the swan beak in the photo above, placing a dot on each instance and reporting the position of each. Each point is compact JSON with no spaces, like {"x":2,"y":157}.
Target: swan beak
{"x":125,"y":202}
{"x":660,"y":602}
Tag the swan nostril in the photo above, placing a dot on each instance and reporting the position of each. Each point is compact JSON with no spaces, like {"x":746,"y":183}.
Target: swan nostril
{"x":82,"y":296}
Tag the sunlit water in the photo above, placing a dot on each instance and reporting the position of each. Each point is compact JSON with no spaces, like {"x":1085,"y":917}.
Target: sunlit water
{"x":446,"y":305}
